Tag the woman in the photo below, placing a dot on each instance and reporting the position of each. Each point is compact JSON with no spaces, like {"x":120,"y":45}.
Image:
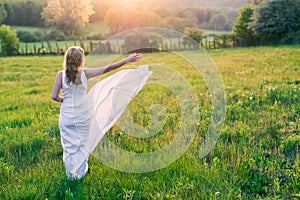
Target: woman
{"x":85,"y":118}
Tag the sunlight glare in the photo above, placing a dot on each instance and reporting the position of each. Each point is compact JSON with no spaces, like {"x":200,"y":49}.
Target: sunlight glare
{"x":129,"y":1}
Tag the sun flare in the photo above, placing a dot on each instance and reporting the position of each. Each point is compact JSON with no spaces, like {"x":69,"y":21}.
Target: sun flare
{"x":128,"y":1}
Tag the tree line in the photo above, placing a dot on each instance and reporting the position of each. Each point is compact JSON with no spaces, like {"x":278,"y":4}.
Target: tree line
{"x":22,"y":13}
{"x":267,"y":22}
{"x":119,"y":17}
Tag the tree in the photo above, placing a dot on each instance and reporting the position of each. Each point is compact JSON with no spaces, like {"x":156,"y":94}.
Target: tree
{"x":192,"y":37}
{"x":273,"y":20}
{"x":257,"y":2}
{"x":3,"y":13}
{"x":68,"y":16}
{"x":178,"y":24}
{"x":144,"y":42}
{"x":10,"y":13}
{"x":218,"y":22}
{"x":100,"y":9}
{"x":33,"y":13}
{"x":8,"y":40}
{"x":244,"y":34}
{"x":121,"y":19}
{"x":201,"y":14}
{"x":24,"y":13}
{"x":194,"y":33}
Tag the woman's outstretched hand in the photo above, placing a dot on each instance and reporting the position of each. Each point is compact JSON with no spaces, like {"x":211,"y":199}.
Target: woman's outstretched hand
{"x":134,"y":57}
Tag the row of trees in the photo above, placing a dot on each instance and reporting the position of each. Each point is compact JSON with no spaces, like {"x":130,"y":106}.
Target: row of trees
{"x":269,"y":22}
{"x":261,"y":22}
{"x":70,"y":16}
{"x":120,"y":19}
{"x":22,"y":13}
{"x":144,"y":40}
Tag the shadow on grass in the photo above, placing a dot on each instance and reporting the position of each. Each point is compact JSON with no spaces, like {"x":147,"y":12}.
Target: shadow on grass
{"x":70,"y":189}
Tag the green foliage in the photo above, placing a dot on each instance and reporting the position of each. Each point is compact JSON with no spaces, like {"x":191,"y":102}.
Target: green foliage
{"x":194,"y":33}
{"x":8,"y":40}
{"x":25,"y":13}
{"x":177,"y":23}
{"x":3,"y":12}
{"x":275,"y":19}
{"x":219,"y":22}
{"x":70,"y":189}
{"x":193,"y":36}
{"x":257,"y":2}
{"x":56,"y":35}
{"x":225,"y":40}
{"x":10,"y":12}
{"x":25,"y":36}
{"x":291,"y":38}
{"x":95,"y":37}
{"x":143,"y":41}
{"x":66,"y":16}
{"x":242,"y":30}
{"x":120,"y":17}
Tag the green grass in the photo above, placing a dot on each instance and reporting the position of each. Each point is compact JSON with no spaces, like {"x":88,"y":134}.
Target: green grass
{"x":256,"y":157}
{"x":31,"y":29}
{"x":96,"y":28}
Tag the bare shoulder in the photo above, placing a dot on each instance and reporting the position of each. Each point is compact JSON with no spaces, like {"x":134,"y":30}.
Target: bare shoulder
{"x":59,"y":75}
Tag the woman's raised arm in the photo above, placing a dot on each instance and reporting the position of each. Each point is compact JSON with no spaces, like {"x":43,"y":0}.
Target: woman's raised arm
{"x":93,"y":72}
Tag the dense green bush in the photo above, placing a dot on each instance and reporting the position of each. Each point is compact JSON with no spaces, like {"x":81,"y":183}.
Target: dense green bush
{"x":8,"y":40}
{"x":269,"y":22}
{"x":95,"y":37}
{"x":26,"y":36}
{"x":147,"y":41}
{"x":275,"y":20}
{"x":244,"y":34}
{"x":291,"y":38}
{"x":55,"y":35}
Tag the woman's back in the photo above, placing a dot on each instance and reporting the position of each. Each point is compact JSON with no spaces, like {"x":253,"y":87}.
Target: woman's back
{"x":74,"y":93}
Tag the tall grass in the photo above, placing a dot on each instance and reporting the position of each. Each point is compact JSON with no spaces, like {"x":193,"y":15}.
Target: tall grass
{"x":256,"y":157}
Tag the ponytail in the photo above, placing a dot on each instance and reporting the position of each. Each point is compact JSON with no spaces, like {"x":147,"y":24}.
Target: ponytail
{"x":72,"y":62}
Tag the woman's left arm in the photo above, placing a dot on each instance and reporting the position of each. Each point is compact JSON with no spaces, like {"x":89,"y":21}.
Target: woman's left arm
{"x":90,"y":73}
{"x":57,"y":87}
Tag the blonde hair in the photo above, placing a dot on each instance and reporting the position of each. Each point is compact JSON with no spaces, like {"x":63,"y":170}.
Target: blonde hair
{"x":74,"y":58}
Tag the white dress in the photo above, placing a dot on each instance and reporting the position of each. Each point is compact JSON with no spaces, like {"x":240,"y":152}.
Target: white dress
{"x":86,"y":117}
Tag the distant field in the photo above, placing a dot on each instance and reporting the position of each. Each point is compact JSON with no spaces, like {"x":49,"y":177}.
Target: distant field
{"x":208,"y":32}
{"x":96,"y":28}
{"x":256,"y":157}
{"x":91,"y":29}
{"x":32,"y":29}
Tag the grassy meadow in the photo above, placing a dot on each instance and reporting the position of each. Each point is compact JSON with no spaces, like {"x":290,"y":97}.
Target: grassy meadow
{"x":256,"y":156}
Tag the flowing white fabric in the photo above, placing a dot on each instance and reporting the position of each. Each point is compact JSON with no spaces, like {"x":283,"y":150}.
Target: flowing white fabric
{"x":85,"y":118}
